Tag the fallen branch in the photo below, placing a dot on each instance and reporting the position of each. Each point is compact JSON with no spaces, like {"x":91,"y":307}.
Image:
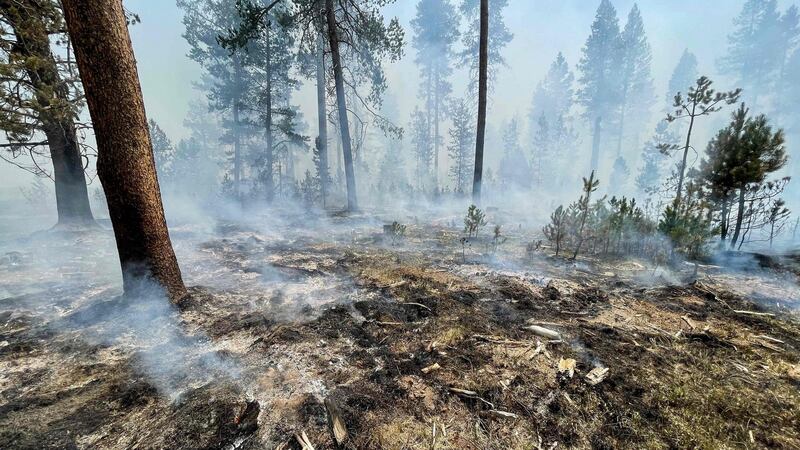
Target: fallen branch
{"x":471,"y":394}
{"x":770,"y":338}
{"x":493,"y":340}
{"x":416,"y":304}
{"x":543,"y":332}
{"x":504,"y":414}
{"x":753,"y":313}
{"x":303,"y":440}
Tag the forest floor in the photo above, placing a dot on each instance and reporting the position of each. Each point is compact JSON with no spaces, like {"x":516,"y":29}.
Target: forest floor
{"x":292,"y":329}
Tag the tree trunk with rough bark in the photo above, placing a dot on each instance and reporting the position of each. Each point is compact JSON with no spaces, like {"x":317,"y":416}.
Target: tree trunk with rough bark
{"x":596,"y":130}
{"x":739,"y":218}
{"x":32,"y":41}
{"x":322,"y":117}
{"x":237,"y":152}
{"x":125,"y":163}
{"x":483,"y":75}
{"x":72,"y":196}
{"x":269,"y":180}
{"x":341,"y":104}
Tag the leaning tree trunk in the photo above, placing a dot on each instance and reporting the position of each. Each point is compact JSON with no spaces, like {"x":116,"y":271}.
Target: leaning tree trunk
{"x":125,"y":162}
{"x":344,"y":127}
{"x":483,"y":73}
{"x":52,"y":95}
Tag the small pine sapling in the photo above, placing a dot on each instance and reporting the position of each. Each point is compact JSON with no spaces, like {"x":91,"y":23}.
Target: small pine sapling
{"x":473,"y":221}
{"x":498,"y":237}
{"x":557,"y":228}
{"x":589,"y":185}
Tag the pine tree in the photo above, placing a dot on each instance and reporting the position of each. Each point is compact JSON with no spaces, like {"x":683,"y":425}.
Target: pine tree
{"x":462,"y":143}
{"x":683,"y":76}
{"x":787,"y":47}
{"x":435,"y":33}
{"x":542,"y":148}
{"x":499,"y":37}
{"x":753,"y":57}
{"x":422,"y":148}
{"x":619,"y":175}
{"x":701,"y":100}
{"x":582,"y":210}
{"x":740,"y":158}
{"x":553,"y":96}
{"x":636,"y":84}
{"x":229,"y":76}
{"x":515,"y":170}
{"x":650,"y":173}
{"x":163,"y":152}
{"x":483,"y":92}
{"x":599,"y":79}
{"x":40,"y":97}
{"x":98,"y":30}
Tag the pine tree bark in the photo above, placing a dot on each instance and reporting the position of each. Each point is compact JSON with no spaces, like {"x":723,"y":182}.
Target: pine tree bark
{"x":596,"y":130}
{"x":682,"y":170}
{"x":739,"y":218}
{"x":269,"y":180}
{"x":125,"y":163}
{"x":52,"y":95}
{"x":483,"y":78}
{"x":72,"y":196}
{"x":341,"y":104}
{"x":237,"y":152}
{"x":322,"y":117}
{"x":436,"y":102}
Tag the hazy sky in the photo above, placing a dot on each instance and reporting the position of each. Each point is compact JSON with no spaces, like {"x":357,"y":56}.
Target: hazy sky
{"x":541,"y":29}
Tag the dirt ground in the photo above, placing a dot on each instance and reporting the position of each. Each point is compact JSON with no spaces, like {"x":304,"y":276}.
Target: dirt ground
{"x":407,"y":346}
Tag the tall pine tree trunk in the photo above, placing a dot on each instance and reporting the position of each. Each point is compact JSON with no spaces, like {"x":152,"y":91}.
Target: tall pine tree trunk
{"x":125,"y":163}
{"x":682,"y":170}
{"x":338,"y":77}
{"x":237,"y":152}
{"x":436,"y":132}
{"x":322,"y":117}
{"x":739,"y":217}
{"x":483,"y":73}
{"x":269,"y":180}
{"x":25,"y":17}
{"x":72,"y":197}
{"x":596,"y":143}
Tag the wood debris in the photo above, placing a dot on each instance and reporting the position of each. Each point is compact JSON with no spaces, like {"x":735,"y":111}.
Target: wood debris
{"x":503,"y":414}
{"x":543,"y":332}
{"x":417,"y":304}
{"x":689,"y":322}
{"x":500,"y":341}
{"x":304,"y":441}
{"x":431,"y":368}
{"x":566,"y":367}
{"x":596,"y":375}
{"x":335,"y":421}
{"x":770,"y":338}
{"x":753,"y":313}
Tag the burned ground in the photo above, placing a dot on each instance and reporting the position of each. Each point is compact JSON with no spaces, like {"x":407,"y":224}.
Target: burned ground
{"x":413,"y":345}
